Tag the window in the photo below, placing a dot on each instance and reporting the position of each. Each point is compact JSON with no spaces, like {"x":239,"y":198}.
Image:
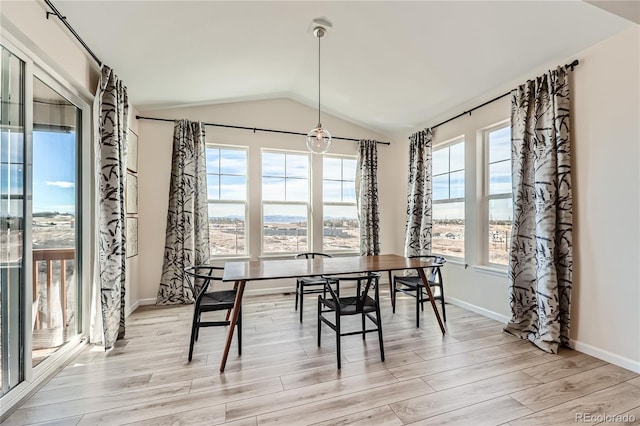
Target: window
{"x":227,"y":194}
{"x":285,"y":202}
{"x":498,"y":194}
{"x":340,"y":225}
{"x":448,"y":200}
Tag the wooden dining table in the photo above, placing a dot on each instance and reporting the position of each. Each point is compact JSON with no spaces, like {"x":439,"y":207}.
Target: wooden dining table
{"x":242,"y":272}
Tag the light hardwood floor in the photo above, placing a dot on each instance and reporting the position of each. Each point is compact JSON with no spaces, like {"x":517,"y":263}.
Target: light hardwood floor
{"x":475,"y":375}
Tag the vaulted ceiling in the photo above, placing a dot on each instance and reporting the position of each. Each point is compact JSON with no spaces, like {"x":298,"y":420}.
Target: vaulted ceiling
{"x":386,"y":65}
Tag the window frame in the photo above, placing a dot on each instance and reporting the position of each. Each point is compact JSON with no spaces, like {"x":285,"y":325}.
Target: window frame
{"x":460,"y":139}
{"x":244,"y":202}
{"x":338,"y":204}
{"x":487,"y":197}
{"x":263,"y":202}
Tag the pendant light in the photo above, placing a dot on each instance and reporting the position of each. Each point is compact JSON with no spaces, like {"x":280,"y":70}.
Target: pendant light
{"x":318,"y":138}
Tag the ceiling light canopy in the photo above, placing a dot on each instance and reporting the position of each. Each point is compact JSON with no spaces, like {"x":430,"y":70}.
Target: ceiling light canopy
{"x":319,"y":138}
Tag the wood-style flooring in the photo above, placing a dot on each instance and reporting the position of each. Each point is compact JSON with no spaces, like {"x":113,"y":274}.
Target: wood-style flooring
{"x":474,"y":375}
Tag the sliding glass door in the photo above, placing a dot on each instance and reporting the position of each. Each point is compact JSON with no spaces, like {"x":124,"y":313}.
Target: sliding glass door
{"x":55,"y":188}
{"x":41,"y":131}
{"x":12,"y":217}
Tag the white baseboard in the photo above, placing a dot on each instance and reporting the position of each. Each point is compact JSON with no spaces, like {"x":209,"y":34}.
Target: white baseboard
{"x":137,"y":304}
{"x":478,"y":310}
{"x":612,"y":358}
{"x":602,"y":354}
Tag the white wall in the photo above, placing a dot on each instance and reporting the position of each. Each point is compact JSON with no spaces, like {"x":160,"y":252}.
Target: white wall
{"x":155,"y":147}
{"x":605,"y":94}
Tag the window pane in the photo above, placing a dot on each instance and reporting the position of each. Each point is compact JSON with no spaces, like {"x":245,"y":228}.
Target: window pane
{"x":500,"y":217}
{"x":457,"y":156}
{"x":233,"y":161}
{"x":332,"y":168}
{"x":448,"y":229}
{"x":233,"y":187}
{"x":348,"y":192}
{"x":441,"y":187}
{"x":349,"y":169}
{"x":457,"y":185}
{"x":213,"y":187}
{"x":341,"y":229}
{"x":297,"y":189}
{"x":297,"y":166}
{"x":500,"y":177}
{"x":227,"y":228}
{"x":500,"y":145}
{"x":440,"y":161}
{"x":272,"y":164}
{"x":285,"y":228}
{"x":213,"y":160}
{"x":273,"y":189}
{"x":331,"y":191}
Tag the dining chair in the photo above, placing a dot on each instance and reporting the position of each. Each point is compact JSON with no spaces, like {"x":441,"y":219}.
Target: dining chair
{"x":358,"y":303}
{"x":412,"y":286}
{"x":308,"y":285}
{"x":200,"y":279}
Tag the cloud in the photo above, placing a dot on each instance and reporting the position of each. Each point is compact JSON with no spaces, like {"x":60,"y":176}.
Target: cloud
{"x":62,"y":184}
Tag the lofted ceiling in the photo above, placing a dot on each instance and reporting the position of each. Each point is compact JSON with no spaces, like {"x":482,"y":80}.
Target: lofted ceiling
{"x":386,"y":65}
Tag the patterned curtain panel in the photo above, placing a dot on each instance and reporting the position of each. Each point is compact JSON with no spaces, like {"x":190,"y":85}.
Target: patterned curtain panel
{"x":419,"y":225}
{"x":367,"y":197}
{"x":112,"y":113}
{"x":187,"y":240}
{"x":541,"y":257}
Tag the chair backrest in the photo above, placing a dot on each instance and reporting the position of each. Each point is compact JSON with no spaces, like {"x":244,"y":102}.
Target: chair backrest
{"x":371,"y":282}
{"x":437,"y":263}
{"x":311,"y":255}
{"x":199,"y":278}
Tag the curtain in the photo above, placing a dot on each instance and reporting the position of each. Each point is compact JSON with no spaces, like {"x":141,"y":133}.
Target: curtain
{"x":367,"y":197}
{"x":541,"y":256}
{"x":187,"y":240}
{"x":111,"y":115}
{"x":419,"y":225}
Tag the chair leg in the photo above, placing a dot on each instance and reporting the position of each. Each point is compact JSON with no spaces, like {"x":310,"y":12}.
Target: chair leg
{"x":194,"y":328}
{"x":379,"y":324}
{"x":444,"y":314}
{"x":198,"y":328}
{"x":418,"y":303}
{"x":338,"y":339}
{"x":393,"y":296}
{"x":297,"y":290}
{"x":319,"y":321}
{"x":364,"y":327}
{"x":301,"y":300}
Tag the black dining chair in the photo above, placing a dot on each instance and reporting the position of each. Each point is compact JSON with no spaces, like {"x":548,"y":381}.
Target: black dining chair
{"x":308,"y":285}
{"x":412,"y":286}
{"x":358,"y":303}
{"x":200,"y":279}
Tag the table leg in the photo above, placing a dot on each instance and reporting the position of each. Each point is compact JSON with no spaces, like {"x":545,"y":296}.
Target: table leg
{"x":391,"y":287}
{"x":425,"y":282}
{"x":232,"y":326}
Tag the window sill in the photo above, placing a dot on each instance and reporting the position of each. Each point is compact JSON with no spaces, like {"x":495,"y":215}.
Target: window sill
{"x":491,"y":270}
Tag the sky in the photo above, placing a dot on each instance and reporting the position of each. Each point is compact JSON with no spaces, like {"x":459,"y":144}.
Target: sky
{"x":54,"y":172}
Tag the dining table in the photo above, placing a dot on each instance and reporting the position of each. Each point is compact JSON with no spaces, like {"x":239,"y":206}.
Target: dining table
{"x":241,"y":272}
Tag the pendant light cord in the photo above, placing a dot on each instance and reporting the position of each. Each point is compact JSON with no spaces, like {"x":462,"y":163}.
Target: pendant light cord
{"x":319,"y":122}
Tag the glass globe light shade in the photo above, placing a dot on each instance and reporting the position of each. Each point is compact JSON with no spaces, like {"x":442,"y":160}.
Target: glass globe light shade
{"x":319,"y":140}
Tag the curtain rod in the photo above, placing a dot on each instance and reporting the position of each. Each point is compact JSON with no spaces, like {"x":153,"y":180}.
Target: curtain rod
{"x":70,"y":28}
{"x":572,"y":65}
{"x":254,"y":129}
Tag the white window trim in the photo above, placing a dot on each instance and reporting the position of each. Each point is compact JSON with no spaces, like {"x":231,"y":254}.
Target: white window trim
{"x":308,"y":204}
{"x":485,"y":265}
{"x":338,"y":204}
{"x":247,"y":225}
{"x":447,"y":144}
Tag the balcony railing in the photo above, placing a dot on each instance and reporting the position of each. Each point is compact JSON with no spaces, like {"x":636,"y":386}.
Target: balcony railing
{"x":50,"y":256}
